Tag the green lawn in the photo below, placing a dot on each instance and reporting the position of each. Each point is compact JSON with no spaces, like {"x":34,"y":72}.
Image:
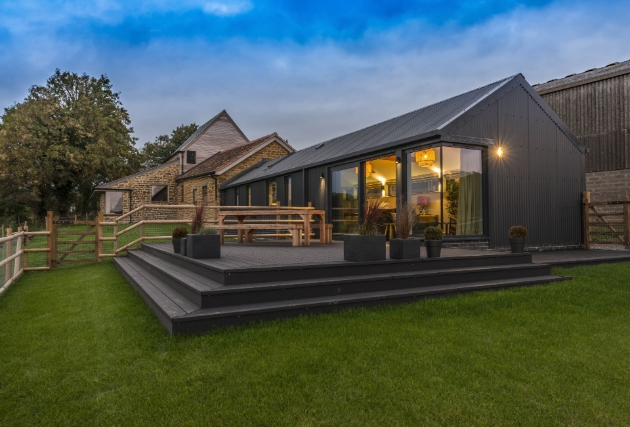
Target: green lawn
{"x":79,"y":347}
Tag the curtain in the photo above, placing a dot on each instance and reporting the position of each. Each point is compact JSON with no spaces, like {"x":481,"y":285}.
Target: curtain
{"x":470,"y":210}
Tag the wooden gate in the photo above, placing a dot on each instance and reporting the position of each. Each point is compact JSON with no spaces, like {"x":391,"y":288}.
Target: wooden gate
{"x":606,"y":224}
{"x":73,"y":241}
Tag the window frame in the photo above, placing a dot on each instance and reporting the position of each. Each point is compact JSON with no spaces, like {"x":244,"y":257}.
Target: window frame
{"x":152,"y":195}
{"x":193,"y":154}
{"x":107,"y":207}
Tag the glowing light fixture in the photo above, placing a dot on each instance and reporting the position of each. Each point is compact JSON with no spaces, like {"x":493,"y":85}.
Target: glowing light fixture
{"x":499,"y":152}
{"x":425,"y":157}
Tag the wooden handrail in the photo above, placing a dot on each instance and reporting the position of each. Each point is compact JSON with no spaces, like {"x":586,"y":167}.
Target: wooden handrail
{"x":11,"y":237}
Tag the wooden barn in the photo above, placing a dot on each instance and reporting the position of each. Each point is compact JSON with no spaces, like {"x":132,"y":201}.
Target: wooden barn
{"x":595,"y":105}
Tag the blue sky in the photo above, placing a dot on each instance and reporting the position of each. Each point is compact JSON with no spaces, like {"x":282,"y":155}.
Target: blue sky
{"x":307,"y":70}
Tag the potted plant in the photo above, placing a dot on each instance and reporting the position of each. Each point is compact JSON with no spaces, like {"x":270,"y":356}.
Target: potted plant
{"x":403,"y":247}
{"x":368,"y":244}
{"x":204,"y":242}
{"x":179,"y":240}
{"x":433,"y":241}
{"x":516,"y":237}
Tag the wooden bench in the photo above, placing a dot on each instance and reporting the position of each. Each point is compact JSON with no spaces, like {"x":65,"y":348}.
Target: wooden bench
{"x":247,"y":231}
{"x":328,"y":232}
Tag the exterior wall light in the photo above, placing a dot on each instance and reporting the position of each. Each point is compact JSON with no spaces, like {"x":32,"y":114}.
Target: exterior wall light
{"x":321,"y":176}
{"x":499,"y":152}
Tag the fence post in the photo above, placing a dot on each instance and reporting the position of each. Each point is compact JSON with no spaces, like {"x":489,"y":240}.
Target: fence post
{"x":115,"y":236}
{"x":7,"y":269}
{"x":18,"y":261}
{"x":586,"y":199}
{"x":49,"y":227}
{"x":626,"y":222}
{"x":99,"y":235}
{"x":53,"y":249}
{"x":25,"y":254}
{"x":142,"y":226}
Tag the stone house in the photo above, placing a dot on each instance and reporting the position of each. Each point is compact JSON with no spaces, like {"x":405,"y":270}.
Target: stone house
{"x":216,"y":152}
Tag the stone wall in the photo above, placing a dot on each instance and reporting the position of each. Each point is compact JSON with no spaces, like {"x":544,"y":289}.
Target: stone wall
{"x":609,"y":185}
{"x":140,"y":185}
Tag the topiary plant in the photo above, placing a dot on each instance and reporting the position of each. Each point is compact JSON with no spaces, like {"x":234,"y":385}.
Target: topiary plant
{"x":433,"y":233}
{"x":180,"y":233}
{"x":517,"y":232}
{"x":208,"y":230}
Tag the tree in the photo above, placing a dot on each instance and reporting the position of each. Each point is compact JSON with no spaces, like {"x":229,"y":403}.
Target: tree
{"x":157,"y":152}
{"x":65,"y":138}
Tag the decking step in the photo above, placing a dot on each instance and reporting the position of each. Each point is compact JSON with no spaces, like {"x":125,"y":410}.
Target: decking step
{"x":209,"y":318}
{"x":163,"y":300}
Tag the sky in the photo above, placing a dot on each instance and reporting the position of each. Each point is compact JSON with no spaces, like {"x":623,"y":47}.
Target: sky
{"x":309,"y":70}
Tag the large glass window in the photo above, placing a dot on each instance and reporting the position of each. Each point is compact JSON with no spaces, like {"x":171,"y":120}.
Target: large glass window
{"x":114,"y":203}
{"x":445,"y":188}
{"x":272,"y":194}
{"x":345,"y":201}
{"x":287,"y":191}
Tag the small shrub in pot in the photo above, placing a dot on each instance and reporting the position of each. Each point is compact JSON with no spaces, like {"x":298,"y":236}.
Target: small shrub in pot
{"x":205,"y":242}
{"x":179,"y":240}
{"x":403,"y":247}
{"x":516,"y":237}
{"x":433,"y":241}
{"x":369,"y":244}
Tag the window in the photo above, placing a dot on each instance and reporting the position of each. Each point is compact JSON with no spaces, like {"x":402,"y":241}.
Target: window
{"x":204,"y":194}
{"x":272,"y":195}
{"x":345,"y":201}
{"x":194,"y":191}
{"x":238,"y":201}
{"x":159,"y":193}
{"x":249,"y":195}
{"x":287,"y":190}
{"x":445,"y":188}
{"x":191,"y":157}
{"x":114,"y":203}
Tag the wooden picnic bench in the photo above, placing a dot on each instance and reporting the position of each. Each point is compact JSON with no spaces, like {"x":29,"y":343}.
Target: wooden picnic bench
{"x":305,"y":214}
{"x":246,"y":231}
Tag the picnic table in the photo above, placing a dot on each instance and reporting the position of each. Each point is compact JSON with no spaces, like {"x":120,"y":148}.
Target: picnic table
{"x":305,"y":214}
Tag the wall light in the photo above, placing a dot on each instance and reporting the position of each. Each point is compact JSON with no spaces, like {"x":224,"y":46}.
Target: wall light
{"x":321,"y":176}
{"x":499,"y":152}
{"x":397,"y":159}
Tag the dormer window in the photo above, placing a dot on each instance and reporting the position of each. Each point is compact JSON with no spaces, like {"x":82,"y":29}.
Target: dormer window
{"x":191,"y":157}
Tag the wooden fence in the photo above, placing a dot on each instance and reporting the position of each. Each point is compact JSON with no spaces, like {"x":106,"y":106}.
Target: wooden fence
{"x":14,"y":253}
{"x":606,"y":224}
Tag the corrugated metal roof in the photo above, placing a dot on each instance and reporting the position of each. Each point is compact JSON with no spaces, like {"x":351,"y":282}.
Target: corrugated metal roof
{"x":588,"y":76}
{"x":424,"y":120}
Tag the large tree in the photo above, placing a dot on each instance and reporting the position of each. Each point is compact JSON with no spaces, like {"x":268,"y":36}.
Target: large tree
{"x":157,"y":152}
{"x":65,"y":138}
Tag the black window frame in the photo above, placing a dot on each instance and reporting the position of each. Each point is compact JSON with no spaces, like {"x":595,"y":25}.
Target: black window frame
{"x":191,"y":157}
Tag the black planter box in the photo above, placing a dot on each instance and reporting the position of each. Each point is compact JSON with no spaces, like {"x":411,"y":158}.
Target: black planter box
{"x":404,"y":248}
{"x":364,"y":248}
{"x":179,"y":246}
{"x":200,"y":246}
{"x":517,"y":245}
{"x":434,"y":248}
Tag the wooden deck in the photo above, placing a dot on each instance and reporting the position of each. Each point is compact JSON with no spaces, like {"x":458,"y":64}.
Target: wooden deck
{"x":269,"y":280}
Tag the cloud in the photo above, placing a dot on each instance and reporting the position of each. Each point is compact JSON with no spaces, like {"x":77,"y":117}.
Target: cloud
{"x":315,"y":90}
{"x":227,"y":8}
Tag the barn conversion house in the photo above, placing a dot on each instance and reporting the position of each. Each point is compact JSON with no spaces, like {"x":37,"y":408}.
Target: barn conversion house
{"x":474,"y":164}
{"x":217,"y":151}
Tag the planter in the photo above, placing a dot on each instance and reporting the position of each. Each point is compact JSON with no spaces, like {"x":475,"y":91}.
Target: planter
{"x":203,"y":246}
{"x":179,"y":246}
{"x":364,"y":248}
{"x":404,"y":248}
{"x":517,"y":245}
{"x":434,"y":248}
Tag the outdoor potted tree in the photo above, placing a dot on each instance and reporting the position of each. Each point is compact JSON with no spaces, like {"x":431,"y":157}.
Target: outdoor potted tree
{"x":433,"y":241}
{"x":179,"y":240}
{"x":368,"y":244}
{"x":403,"y":247}
{"x":204,"y":242}
{"x":516,"y":237}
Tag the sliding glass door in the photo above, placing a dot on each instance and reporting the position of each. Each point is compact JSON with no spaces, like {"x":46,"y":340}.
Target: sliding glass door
{"x":445,"y":188}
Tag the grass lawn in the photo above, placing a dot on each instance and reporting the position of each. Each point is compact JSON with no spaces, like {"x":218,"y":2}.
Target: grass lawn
{"x":79,"y":347}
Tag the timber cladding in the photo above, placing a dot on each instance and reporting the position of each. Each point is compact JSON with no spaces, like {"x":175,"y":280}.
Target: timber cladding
{"x":599,"y":114}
